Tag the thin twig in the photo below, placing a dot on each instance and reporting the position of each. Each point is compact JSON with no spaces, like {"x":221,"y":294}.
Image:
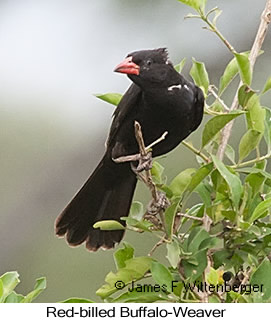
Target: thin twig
{"x":257,"y":45}
{"x":211,"y":90}
{"x":252,"y":161}
{"x":245,"y":279}
{"x":158,"y":244}
{"x":205,"y":274}
{"x":207,"y":221}
{"x":128,"y":158}
{"x":183,"y":215}
{"x":216,"y":31}
{"x":135,"y":157}
{"x":196,"y":151}
{"x":163,"y":137}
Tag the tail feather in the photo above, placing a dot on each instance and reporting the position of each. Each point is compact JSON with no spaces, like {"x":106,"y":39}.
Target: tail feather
{"x":107,"y":195}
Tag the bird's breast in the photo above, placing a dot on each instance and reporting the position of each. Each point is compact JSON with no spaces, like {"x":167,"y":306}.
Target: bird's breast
{"x":171,"y":116}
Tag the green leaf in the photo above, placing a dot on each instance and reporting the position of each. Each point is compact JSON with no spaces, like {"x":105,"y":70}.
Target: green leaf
{"x":216,"y":106}
{"x":230,"y":153}
{"x":260,"y":210}
{"x":249,"y":170}
{"x":38,"y":288}
{"x":1,"y":291}
{"x":112,"y":98}
{"x":169,"y":218}
{"x":244,"y":67}
{"x":161,"y":275}
{"x":165,"y":188}
{"x":230,"y":72}
{"x":13,"y":297}
{"x":194,"y":271}
{"x":228,"y":214}
{"x":255,"y":230}
{"x":199,"y":176}
{"x":213,"y":277}
{"x":244,"y":95}
{"x":140,"y":297}
{"x":211,"y":242}
{"x":249,"y":142}
{"x":204,"y":193}
{"x":181,"y":181}
{"x":218,"y":12}
{"x":214,"y":125}
{"x":177,"y":288}
{"x":142,"y":224}
{"x":173,"y":253}
{"x":197,"y":235}
{"x":196,"y":4}
{"x":77,"y":300}
{"x":136,"y":210}
{"x":8,"y":282}
{"x":261,"y":277}
{"x":134,"y":269}
{"x":267,"y":126}
{"x":180,"y":66}
{"x":123,"y":254}
{"x":255,"y":181}
{"x":200,"y":75}
{"x":221,"y":258}
{"x":256,"y":114}
{"x":232,"y":180}
{"x":213,"y":299}
{"x":197,"y":210}
{"x":261,"y":164}
{"x":108,"y":225}
{"x":157,"y":172}
{"x":236,"y":297}
{"x":267,"y":86}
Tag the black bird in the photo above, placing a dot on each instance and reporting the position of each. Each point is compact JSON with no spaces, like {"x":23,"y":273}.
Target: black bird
{"x":160,"y":99}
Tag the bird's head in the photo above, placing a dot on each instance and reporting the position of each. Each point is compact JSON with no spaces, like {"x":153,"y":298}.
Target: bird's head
{"x":146,"y":67}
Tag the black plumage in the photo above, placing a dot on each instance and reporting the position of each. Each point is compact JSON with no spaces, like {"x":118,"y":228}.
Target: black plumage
{"x":160,"y":99}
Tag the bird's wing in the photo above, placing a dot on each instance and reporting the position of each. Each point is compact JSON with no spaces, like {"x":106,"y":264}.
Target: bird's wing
{"x":199,"y":107}
{"x":126,"y":106}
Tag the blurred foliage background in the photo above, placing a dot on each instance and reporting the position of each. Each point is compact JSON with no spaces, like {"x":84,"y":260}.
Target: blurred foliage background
{"x":54,"y":55}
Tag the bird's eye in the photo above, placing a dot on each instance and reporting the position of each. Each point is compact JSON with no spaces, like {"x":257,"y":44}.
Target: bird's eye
{"x":149,"y":61}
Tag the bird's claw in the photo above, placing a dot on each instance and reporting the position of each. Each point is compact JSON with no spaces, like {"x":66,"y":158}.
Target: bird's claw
{"x":144,"y":163}
{"x":159,"y":205}
{"x":153,"y":219}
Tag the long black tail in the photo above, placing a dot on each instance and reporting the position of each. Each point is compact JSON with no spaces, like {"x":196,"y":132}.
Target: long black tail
{"x":107,"y":195}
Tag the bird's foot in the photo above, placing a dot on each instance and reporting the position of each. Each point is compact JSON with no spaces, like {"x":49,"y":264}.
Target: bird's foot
{"x":154,"y":220}
{"x":160,"y":204}
{"x":144,"y":163}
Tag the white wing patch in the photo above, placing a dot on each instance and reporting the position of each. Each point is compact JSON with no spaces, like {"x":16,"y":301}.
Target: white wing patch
{"x":175,"y":86}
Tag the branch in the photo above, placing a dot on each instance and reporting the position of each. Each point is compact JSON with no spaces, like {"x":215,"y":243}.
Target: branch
{"x":163,"y":137}
{"x":196,"y":151}
{"x":257,"y":45}
{"x":136,"y":157}
{"x":211,"y":90}
{"x":143,"y":152}
{"x":147,"y":179}
{"x":128,"y":158}
{"x":183,"y":215}
{"x":158,"y":244}
{"x":215,"y":30}
{"x":252,"y":161}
